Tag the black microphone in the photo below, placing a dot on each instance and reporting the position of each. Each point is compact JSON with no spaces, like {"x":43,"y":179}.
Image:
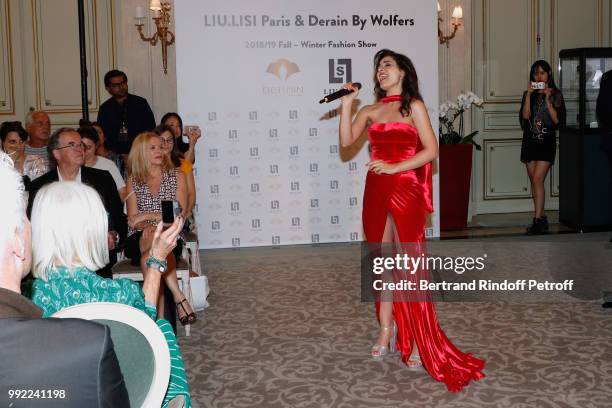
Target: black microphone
{"x":339,"y":93}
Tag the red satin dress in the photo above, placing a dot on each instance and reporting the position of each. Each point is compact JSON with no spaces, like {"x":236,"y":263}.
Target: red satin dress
{"x":407,"y":198}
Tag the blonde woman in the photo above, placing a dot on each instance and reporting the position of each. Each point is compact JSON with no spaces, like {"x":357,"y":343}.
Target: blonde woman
{"x":153,"y":179}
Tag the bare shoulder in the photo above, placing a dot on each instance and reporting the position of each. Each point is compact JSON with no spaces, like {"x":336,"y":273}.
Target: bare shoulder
{"x":418,"y":111}
{"x":418,"y":107}
{"x":367,"y":111}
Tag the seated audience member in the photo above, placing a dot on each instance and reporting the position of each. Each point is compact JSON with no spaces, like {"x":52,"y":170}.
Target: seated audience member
{"x":38,"y":126}
{"x":103,"y":149}
{"x":14,"y":138}
{"x":69,"y":241}
{"x":174,"y":121}
{"x":66,"y":152}
{"x":34,"y":351}
{"x":171,"y":149}
{"x":152,"y":178}
{"x":90,"y":140}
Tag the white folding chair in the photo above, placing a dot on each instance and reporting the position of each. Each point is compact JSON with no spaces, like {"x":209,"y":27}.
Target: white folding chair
{"x":140,"y":346}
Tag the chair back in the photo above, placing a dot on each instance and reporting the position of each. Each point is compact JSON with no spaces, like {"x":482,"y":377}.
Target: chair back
{"x":140,"y":347}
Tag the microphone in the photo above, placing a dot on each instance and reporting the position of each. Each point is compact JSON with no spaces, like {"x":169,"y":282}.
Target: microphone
{"x":339,"y":93}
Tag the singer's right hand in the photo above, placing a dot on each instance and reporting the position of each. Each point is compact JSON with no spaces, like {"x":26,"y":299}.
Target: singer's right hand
{"x":348,"y":99}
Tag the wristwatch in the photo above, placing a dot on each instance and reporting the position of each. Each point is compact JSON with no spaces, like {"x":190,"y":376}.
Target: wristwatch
{"x":160,"y":265}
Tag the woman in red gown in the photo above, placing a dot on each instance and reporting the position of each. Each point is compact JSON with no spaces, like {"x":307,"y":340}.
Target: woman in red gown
{"x":397,"y":199}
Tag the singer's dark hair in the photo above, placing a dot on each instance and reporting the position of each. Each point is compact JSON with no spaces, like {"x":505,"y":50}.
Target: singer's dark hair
{"x":546,"y":68}
{"x":410,"y":84}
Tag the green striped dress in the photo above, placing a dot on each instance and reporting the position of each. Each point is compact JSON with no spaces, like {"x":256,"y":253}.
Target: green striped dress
{"x":67,"y":287}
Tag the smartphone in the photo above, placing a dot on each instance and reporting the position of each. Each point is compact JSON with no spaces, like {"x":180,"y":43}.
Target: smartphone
{"x":167,"y":212}
{"x":189,"y":130}
{"x":538,"y":85}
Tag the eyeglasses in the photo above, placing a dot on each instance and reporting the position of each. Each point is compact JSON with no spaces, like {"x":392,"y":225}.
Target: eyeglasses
{"x":73,"y":145}
{"x":167,"y":140}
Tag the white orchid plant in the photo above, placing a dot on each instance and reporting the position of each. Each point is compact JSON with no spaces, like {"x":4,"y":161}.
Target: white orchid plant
{"x":449,"y":112}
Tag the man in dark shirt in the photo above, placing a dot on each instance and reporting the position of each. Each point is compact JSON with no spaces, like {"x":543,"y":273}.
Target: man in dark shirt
{"x":123,"y":116}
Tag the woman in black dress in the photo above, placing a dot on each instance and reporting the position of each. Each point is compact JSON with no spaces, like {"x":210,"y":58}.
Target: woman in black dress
{"x":542,"y":110}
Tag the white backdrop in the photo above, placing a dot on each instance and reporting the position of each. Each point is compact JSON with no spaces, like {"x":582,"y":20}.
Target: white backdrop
{"x":269,"y":170}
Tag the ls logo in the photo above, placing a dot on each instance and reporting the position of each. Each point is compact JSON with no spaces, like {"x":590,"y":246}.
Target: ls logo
{"x":340,"y":71}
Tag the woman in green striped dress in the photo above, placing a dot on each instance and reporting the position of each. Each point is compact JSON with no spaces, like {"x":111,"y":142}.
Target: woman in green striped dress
{"x":69,"y":242}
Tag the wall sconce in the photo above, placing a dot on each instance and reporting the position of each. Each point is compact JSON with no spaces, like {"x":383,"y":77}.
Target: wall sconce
{"x":161,"y":16}
{"x":456,"y":23}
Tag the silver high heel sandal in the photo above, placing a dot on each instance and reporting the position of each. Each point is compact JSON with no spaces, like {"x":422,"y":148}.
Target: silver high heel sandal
{"x":378,"y":351}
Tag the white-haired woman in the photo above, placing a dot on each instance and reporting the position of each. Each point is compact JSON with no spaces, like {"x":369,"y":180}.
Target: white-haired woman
{"x":69,"y":241}
{"x":15,"y":236}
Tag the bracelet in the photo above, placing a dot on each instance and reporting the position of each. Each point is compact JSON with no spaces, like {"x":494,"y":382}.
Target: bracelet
{"x":160,"y":265}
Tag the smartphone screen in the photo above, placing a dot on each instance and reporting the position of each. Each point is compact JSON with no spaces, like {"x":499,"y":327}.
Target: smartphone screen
{"x":167,"y":212}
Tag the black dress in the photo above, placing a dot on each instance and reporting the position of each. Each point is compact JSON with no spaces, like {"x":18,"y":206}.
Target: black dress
{"x":539,"y":132}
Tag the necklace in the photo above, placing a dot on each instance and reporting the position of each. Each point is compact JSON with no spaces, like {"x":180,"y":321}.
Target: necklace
{"x":537,"y":123}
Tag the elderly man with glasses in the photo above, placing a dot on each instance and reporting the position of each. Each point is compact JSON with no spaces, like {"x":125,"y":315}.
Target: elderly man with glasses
{"x":66,"y":152}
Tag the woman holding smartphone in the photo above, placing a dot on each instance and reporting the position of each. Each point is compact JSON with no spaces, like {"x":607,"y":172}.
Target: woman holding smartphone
{"x":542,"y":111}
{"x":193,"y":133}
{"x":153,"y":179}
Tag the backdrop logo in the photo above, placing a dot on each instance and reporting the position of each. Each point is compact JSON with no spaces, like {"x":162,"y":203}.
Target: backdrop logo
{"x":215,"y":225}
{"x":232,"y":134}
{"x":313,"y":132}
{"x":214,"y":189}
{"x":253,"y":116}
{"x":340,"y":71}
{"x":254,"y":151}
{"x":256,"y":223}
{"x":212,"y":116}
{"x":235,"y":206}
{"x":235,"y":242}
{"x":213,"y":153}
{"x":295,"y":186}
{"x":274,"y":205}
{"x":254,"y":187}
{"x":354,"y":236}
{"x":233,"y":170}
{"x":334,"y":220}
{"x":295,"y":221}
{"x":293,"y":114}
{"x":273,"y":133}
{"x":275,"y":240}
{"x":353,"y":202}
{"x":314,"y":203}
{"x":314,"y":238}
{"x":283,"y":69}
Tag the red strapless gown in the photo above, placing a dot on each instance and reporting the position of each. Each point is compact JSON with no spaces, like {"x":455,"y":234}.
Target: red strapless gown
{"x":407,"y":197}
